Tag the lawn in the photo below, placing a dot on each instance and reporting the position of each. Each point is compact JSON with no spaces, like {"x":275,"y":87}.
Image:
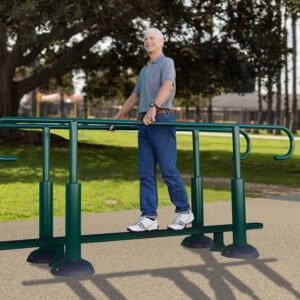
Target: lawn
{"x":108,"y":171}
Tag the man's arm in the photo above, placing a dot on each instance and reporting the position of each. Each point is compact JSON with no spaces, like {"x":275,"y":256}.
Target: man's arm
{"x":131,"y":101}
{"x":162,"y":95}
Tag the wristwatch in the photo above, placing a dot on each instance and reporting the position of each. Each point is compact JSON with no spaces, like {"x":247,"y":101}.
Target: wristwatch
{"x":153,"y":104}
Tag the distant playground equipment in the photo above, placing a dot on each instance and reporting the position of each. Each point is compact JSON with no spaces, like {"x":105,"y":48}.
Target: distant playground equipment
{"x":64,"y":253}
{"x":54,"y":105}
{"x":70,"y":105}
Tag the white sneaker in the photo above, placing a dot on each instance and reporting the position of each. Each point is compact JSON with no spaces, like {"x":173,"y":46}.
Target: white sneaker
{"x":181,"y":221}
{"x":143,"y":224}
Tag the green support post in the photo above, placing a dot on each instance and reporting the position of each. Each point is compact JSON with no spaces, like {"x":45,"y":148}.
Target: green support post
{"x":69,"y":262}
{"x":218,"y":245}
{"x":197,"y":240}
{"x":72,"y":264}
{"x":45,"y":254}
{"x":239,"y":248}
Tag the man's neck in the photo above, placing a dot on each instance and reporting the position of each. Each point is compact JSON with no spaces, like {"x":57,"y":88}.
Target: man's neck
{"x":155,"y":55}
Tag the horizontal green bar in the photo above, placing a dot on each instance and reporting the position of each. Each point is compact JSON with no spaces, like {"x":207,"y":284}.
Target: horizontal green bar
{"x":105,"y":124}
{"x":109,"y":237}
{"x":31,"y":243}
{"x":8,"y":158}
{"x":20,"y":120}
{"x":121,"y":236}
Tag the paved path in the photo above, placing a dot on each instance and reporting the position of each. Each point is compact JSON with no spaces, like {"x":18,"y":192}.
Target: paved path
{"x":160,"y":268}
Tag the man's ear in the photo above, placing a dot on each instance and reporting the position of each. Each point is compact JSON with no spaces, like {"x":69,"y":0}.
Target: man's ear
{"x":161,"y":42}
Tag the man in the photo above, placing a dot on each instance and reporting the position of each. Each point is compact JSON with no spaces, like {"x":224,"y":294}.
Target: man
{"x":154,"y":93}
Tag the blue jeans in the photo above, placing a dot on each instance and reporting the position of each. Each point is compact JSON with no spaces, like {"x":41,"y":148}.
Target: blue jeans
{"x":157,"y":144}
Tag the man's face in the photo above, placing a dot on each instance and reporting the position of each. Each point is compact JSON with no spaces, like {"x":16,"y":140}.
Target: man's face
{"x":152,"y":42}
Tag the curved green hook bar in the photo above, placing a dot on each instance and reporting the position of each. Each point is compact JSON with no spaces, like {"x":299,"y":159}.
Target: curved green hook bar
{"x":249,"y":145}
{"x":288,"y":133}
{"x":291,"y":148}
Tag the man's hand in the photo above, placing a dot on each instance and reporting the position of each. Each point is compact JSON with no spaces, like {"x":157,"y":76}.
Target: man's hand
{"x":131,"y":101}
{"x":150,"y":116}
{"x":112,"y":126}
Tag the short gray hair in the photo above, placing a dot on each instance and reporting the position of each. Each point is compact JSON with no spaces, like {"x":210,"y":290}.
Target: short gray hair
{"x":156,"y":31}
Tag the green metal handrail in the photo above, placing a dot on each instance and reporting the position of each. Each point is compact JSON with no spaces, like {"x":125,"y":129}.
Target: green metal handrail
{"x":183,"y":125}
{"x":8,"y":158}
{"x":72,"y":259}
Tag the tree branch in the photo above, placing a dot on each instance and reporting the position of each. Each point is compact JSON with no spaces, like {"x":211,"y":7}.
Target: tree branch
{"x":60,"y":67}
{"x":44,"y":40}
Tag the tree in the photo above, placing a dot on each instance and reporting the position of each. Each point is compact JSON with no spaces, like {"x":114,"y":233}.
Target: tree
{"x":208,"y":63}
{"x":217,"y":45}
{"x":258,"y":30}
{"x":40,"y":40}
{"x":294,"y":116}
{"x":34,"y":46}
{"x":286,"y":74}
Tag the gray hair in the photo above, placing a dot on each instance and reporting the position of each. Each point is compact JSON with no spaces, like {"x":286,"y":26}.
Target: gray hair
{"x":156,"y":31}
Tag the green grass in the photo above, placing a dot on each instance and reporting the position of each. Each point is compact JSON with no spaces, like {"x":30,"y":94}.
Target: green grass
{"x":108,"y":171}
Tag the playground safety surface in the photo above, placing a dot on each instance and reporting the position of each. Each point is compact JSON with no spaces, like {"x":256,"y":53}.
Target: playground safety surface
{"x":160,"y":268}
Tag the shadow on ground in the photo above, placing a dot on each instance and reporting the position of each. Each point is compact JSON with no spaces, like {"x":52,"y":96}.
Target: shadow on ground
{"x":219,"y":276}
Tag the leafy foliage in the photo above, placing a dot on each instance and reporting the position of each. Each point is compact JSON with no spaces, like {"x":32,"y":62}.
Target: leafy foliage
{"x":217,"y":45}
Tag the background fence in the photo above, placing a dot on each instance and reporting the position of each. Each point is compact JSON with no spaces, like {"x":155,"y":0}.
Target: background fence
{"x":231,"y":112}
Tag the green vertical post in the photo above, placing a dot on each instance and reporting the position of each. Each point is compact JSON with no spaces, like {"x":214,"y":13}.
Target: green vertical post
{"x":72,"y":264}
{"x":45,"y":254}
{"x":239,"y":248}
{"x":197,"y":240}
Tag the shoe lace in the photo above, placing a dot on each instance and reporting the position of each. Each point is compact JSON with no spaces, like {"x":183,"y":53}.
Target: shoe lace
{"x":140,"y":220}
{"x":177,"y":218}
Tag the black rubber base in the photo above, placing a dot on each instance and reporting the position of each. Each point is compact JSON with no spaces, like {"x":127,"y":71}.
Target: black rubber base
{"x":73,"y":268}
{"x":41,"y":256}
{"x":197,"y":242}
{"x":237,"y":251}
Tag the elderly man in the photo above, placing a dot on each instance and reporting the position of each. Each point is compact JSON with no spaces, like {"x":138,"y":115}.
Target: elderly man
{"x":154,"y":93}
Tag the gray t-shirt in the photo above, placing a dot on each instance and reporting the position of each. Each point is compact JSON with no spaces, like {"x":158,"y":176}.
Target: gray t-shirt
{"x":151,"y":79}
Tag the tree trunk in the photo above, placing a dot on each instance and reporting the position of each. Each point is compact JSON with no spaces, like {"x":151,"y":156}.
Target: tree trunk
{"x":209,"y":109}
{"x":294,"y":117}
{"x":86,"y":107}
{"x":62,"y":105}
{"x":9,"y":100}
{"x":260,"y":109}
{"x":33,"y":104}
{"x":280,"y":42}
{"x":187,"y":112}
{"x":286,"y":78}
{"x":278,"y":103}
{"x":9,"y":97}
{"x":269,"y":102}
{"x":197,"y":116}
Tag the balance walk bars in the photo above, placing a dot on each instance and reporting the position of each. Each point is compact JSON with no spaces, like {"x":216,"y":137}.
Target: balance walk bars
{"x":64,"y":253}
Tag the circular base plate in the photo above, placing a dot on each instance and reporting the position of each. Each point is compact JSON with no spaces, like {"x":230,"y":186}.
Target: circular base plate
{"x":73,"y":268}
{"x":237,"y":251}
{"x":197,"y":242}
{"x":41,"y":256}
